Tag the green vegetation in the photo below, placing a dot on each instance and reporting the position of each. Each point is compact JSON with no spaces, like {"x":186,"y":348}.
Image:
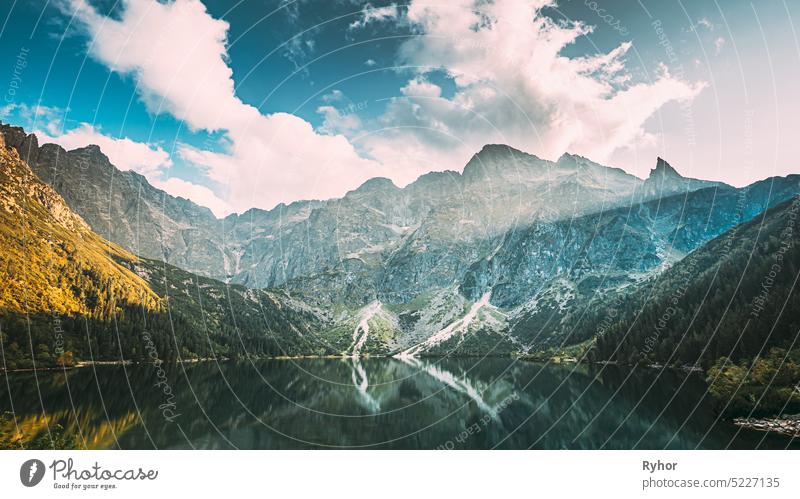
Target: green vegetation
{"x":732,"y":298}
{"x":560,"y":354}
{"x":69,"y":295}
{"x":769,"y":384}
{"x":55,"y":437}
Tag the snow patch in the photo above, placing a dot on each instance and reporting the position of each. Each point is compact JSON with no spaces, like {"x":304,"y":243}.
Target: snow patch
{"x":459,"y":326}
{"x":365,"y":315}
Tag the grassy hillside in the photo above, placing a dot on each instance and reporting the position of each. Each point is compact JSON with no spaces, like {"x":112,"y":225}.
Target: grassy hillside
{"x":729,"y":306}
{"x":70,"y":295}
{"x":734,"y":297}
{"x":50,"y":261}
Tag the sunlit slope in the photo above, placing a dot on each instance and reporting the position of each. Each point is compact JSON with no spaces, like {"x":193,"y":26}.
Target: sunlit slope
{"x":50,"y":260}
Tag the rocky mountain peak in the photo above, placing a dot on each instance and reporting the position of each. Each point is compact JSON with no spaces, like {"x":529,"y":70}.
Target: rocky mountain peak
{"x":500,"y":152}
{"x":495,"y":159}
{"x":26,"y":145}
{"x":663,"y":169}
{"x":569,"y":159}
{"x":377,"y":184}
{"x":93,"y":152}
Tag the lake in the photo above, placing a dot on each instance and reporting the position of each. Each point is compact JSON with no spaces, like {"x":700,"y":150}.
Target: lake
{"x":375,"y":403}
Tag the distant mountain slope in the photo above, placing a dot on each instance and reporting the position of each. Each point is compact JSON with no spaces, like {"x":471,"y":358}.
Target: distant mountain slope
{"x":514,"y":254}
{"x":50,"y":260}
{"x":555,"y":274}
{"x":122,"y":206}
{"x":499,"y":189}
{"x":65,"y":289}
{"x":735,"y":297}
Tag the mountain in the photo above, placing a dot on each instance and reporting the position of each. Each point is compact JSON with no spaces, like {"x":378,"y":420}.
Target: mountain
{"x":123,"y":207}
{"x":514,"y":254}
{"x":69,"y":294}
{"x":51,"y":261}
{"x":500,"y":188}
{"x":735,"y":297}
{"x":664,"y":180}
{"x":574,"y":265}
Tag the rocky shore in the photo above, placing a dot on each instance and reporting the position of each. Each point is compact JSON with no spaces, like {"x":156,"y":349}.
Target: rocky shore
{"x":788,"y":425}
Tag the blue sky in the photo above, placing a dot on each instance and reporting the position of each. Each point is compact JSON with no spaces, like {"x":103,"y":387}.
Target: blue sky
{"x":252,"y":103}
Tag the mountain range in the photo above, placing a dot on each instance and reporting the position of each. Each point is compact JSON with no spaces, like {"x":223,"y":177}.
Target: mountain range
{"x":66,"y":290}
{"x":513,"y":255}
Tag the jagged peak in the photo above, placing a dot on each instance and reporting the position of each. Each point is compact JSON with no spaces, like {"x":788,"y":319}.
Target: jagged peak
{"x":569,"y":157}
{"x":494,"y":150}
{"x":496,"y":155}
{"x":92,"y":150}
{"x":489,"y":148}
{"x":664,"y":169}
{"x":376,"y":184}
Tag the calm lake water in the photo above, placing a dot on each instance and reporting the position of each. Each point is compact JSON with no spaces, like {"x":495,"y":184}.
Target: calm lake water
{"x":375,"y":403}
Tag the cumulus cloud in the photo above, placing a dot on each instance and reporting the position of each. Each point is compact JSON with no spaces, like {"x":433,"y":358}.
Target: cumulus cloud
{"x":124,"y":153}
{"x":370,"y":14}
{"x":178,"y":54}
{"x":505,"y":59}
{"x":514,"y":85}
{"x":338,"y":121}
{"x":719,"y":43}
{"x":198,"y":193}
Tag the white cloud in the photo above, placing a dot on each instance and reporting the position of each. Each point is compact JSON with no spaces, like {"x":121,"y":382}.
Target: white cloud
{"x":178,"y":54}
{"x":123,"y":153}
{"x":49,"y":118}
{"x":198,"y":193}
{"x":419,"y":87}
{"x":370,"y":14}
{"x":703,"y":22}
{"x":513,"y":85}
{"x":719,"y":43}
{"x":337,"y":121}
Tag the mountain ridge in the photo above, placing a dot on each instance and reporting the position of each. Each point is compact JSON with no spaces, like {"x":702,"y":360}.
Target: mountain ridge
{"x":70,"y":295}
{"x":27,"y":144}
{"x":501,"y":260}
{"x":246,"y":248}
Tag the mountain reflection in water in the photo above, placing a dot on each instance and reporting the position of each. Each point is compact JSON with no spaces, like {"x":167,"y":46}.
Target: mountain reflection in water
{"x":408,"y":403}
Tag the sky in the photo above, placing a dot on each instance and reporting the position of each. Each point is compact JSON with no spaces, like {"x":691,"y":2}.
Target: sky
{"x":252,"y":103}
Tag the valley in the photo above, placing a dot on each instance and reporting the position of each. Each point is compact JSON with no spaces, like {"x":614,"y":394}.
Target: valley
{"x":516,"y":256}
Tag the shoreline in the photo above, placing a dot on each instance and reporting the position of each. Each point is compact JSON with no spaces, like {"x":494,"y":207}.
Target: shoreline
{"x":89,"y":363}
{"x":785,"y":425}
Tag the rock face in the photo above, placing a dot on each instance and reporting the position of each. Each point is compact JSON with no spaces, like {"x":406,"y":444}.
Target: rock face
{"x":788,"y":425}
{"x":734,"y":297}
{"x":664,"y":181}
{"x":500,"y":188}
{"x":551,"y":274}
{"x":63,"y":283}
{"x":50,"y":260}
{"x":532,"y":241}
{"x":123,"y":207}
